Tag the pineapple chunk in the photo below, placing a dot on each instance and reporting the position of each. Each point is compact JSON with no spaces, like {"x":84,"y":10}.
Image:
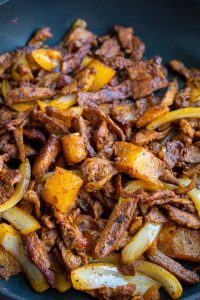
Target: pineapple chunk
{"x":137,"y":162}
{"x":61,"y":189}
{"x":74,"y":148}
{"x":103,"y":75}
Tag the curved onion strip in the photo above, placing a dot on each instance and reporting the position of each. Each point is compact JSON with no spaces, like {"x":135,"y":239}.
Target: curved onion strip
{"x":11,"y":240}
{"x":167,"y":280}
{"x":21,"y":220}
{"x":140,"y":242}
{"x":98,"y":275}
{"x":190,"y":112}
{"x":112,"y":258}
{"x":21,"y":187}
{"x":194,"y":193}
{"x":48,"y":59}
{"x":61,"y":282}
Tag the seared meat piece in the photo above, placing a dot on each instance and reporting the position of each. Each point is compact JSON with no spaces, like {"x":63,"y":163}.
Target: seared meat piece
{"x":72,"y":60}
{"x":104,"y":117}
{"x":172,"y":152}
{"x":138,"y":48}
{"x":25,"y":94}
{"x":46,"y":157}
{"x":108,"y":94}
{"x":79,"y":36}
{"x":144,"y":136}
{"x":173,"y":267}
{"x":180,"y":68}
{"x":34,"y":134}
{"x":39,"y":255}
{"x":86,"y":137}
{"x":156,"y":216}
{"x":6,"y":60}
{"x":70,"y":260}
{"x":192,"y":154}
{"x":125,"y":37}
{"x":101,"y":136}
{"x":40,"y":37}
{"x":182,"y":217}
{"x":147,"y":77}
{"x":96,"y":172}
{"x":118,"y":223}
{"x":109,"y":49}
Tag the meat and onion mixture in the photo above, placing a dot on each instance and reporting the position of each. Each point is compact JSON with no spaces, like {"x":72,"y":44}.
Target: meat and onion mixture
{"x":99,"y":166}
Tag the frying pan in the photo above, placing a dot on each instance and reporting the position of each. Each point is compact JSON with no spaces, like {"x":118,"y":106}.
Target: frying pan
{"x":170,"y":28}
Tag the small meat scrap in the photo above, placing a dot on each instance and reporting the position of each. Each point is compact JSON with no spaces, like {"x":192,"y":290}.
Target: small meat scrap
{"x":174,"y":267}
{"x":147,"y":77}
{"x":39,"y":255}
{"x":101,"y":136}
{"x":96,"y":172}
{"x":40,"y":37}
{"x":180,"y":68}
{"x":6,"y":61}
{"x":70,"y":260}
{"x":192,"y":154}
{"x":182,"y":217}
{"x":46,"y":157}
{"x":125,"y":37}
{"x":117,"y":224}
{"x":144,"y":136}
{"x":71,"y":61}
{"x":172,"y":152}
{"x":109,"y":49}
{"x":79,"y":36}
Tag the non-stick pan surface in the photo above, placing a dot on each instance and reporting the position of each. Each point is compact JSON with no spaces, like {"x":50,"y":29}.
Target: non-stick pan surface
{"x":170,"y":28}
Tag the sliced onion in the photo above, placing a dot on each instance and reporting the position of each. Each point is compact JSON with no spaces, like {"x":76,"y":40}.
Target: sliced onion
{"x":21,"y":220}
{"x":167,"y":280}
{"x":11,"y":240}
{"x":21,"y":187}
{"x":99,"y":275}
{"x":140,"y":242}
{"x":194,"y":193}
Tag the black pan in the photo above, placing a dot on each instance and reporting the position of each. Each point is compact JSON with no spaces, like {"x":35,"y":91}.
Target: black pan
{"x":170,"y":28}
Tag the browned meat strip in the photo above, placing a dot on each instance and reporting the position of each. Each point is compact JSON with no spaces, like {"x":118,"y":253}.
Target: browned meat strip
{"x":46,"y":157}
{"x":73,"y":60}
{"x":171,"y":152}
{"x":79,"y":36}
{"x":174,"y":267}
{"x":104,"y":117}
{"x":192,"y":154}
{"x":38,"y":253}
{"x":125,"y":37}
{"x":119,"y":293}
{"x":25,"y":94}
{"x":118,"y":222}
{"x":101,"y":136}
{"x":40,"y":37}
{"x":70,"y":260}
{"x":108,"y":94}
{"x":182,"y":217}
{"x":144,"y":136}
{"x":109,"y":49}
{"x":180,"y":68}
{"x":85,"y":135}
{"x":156,"y":216}
{"x":138,"y":48}
{"x":34,"y":134}
{"x":6,"y":61}
{"x":147,"y":77}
